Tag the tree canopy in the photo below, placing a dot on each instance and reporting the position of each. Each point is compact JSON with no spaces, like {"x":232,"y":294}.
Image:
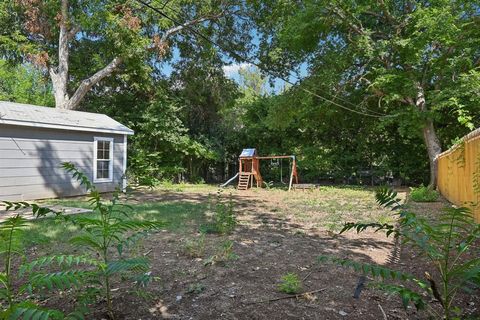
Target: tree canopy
{"x":383,"y":86}
{"x":416,"y":62}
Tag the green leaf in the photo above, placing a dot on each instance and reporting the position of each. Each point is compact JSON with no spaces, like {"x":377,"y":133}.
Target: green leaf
{"x":134,"y":264}
{"x":86,"y":240}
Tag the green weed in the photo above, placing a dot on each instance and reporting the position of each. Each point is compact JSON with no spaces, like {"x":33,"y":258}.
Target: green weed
{"x":28,"y":277}
{"x":290,"y":283}
{"x":196,"y":288}
{"x":224,"y":253}
{"x":195,"y":248}
{"x":423,"y":194}
{"x":110,"y":229}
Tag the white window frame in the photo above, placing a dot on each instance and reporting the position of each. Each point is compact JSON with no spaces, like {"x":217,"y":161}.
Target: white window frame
{"x":95,"y":160}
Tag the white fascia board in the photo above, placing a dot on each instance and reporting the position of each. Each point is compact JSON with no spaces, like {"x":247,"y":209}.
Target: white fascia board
{"x":62,"y":127}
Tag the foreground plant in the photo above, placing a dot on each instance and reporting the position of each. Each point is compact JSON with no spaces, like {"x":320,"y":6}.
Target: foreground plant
{"x":447,"y":244}
{"x":110,"y":231}
{"x":20,"y":278}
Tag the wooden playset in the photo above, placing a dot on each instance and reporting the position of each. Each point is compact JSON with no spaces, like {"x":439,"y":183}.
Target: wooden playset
{"x":249,"y":169}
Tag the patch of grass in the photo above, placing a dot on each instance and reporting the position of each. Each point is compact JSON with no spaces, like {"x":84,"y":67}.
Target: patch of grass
{"x":178,"y":216}
{"x":186,"y":187}
{"x":68,"y":202}
{"x":223,"y":219}
{"x":329,"y":207}
{"x":290,"y":283}
{"x":42,"y":232}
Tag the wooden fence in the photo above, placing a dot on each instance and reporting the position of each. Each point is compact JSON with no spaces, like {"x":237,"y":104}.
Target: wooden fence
{"x":459,"y":173}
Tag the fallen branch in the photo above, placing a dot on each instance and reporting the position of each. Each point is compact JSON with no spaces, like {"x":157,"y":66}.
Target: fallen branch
{"x":383,"y":312}
{"x":308,"y":275}
{"x":288,"y":297}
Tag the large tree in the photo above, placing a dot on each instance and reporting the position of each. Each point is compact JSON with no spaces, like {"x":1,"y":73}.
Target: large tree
{"x":96,"y":38}
{"x":25,"y":84}
{"x":417,"y":61}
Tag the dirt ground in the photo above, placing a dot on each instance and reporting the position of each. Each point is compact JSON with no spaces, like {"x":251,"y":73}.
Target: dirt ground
{"x":278,"y":233}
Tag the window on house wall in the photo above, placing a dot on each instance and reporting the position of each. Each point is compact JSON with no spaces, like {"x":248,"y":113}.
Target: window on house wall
{"x":103,"y":159}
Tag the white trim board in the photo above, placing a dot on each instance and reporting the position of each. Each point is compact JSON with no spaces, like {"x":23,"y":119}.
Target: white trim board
{"x":63,"y":127}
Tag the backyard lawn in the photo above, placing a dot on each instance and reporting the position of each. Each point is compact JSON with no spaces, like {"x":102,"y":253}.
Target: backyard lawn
{"x":237,"y":275}
{"x":330,"y":99}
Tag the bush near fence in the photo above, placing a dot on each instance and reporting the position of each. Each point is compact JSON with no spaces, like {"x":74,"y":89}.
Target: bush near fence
{"x":459,"y":173}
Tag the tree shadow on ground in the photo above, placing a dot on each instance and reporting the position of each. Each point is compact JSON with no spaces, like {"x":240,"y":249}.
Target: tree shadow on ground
{"x":267,"y":246}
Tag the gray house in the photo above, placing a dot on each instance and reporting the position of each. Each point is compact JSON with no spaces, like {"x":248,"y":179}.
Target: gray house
{"x":35,"y":140}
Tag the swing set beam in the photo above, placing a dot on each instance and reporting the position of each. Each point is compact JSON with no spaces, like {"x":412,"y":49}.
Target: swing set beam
{"x":273,"y":157}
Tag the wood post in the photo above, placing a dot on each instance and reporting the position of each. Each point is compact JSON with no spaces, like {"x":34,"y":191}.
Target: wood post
{"x":293,"y":169}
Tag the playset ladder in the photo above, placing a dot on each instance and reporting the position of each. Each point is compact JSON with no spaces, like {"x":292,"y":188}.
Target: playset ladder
{"x":243,"y":180}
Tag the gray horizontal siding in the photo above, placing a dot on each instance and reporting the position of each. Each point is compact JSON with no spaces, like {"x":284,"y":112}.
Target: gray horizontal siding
{"x":40,"y":191}
{"x":49,"y":154}
{"x":33,"y":172}
{"x":31,"y":158}
{"x":33,"y":144}
{"x":50,"y":162}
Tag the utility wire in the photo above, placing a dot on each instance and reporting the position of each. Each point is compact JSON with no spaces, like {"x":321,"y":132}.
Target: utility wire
{"x":290,"y":74}
{"x":238,"y":57}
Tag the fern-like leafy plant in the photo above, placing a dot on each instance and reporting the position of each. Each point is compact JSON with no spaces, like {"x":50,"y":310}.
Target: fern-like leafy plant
{"x":20,"y":279}
{"x":111,"y":229}
{"x":449,"y":245}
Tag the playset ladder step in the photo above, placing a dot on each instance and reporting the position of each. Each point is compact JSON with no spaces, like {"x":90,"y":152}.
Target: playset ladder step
{"x":243,"y":181}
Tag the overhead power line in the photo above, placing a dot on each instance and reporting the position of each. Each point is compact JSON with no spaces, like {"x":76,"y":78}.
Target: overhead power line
{"x":299,"y":79}
{"x":240,"y":58}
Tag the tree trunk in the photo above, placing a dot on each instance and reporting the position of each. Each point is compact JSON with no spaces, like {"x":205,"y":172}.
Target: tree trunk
{"x":430,"y":138}
{"x":433,"y":148}
{"x":59,"y":75}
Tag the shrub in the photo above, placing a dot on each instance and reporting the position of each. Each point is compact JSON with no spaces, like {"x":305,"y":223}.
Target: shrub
{"x":290,"y":283}
{"x":423,"y":194}
{"x":449,"y":245}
